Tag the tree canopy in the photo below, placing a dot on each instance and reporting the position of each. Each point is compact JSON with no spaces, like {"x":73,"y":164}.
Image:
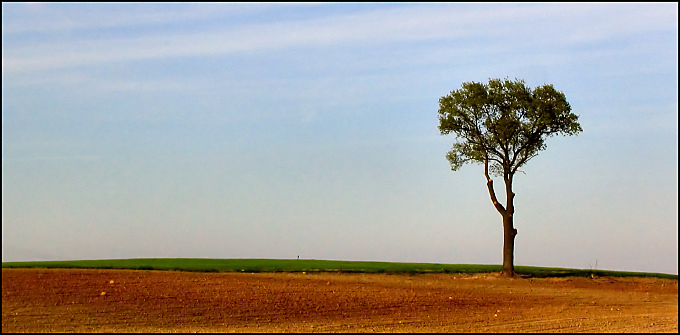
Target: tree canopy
{"x":503,"y":123}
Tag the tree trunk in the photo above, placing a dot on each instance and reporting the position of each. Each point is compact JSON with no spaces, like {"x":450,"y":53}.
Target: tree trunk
{"x":509,"y":233}
{"x":509,"y":230}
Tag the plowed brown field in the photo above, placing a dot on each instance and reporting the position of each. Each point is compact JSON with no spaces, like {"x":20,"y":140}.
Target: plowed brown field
{"x":61,"y":300}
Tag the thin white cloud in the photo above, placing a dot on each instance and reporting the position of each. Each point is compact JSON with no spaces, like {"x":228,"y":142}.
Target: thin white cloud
{"x":52,"y":158}
{"x":549,"y":24}
{"x":55,"y":18}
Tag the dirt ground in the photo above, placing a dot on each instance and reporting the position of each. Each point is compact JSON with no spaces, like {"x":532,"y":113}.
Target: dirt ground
{"x":59,"y":300}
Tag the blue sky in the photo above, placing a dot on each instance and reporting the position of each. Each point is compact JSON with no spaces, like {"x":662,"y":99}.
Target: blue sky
{"x":278,"y":130}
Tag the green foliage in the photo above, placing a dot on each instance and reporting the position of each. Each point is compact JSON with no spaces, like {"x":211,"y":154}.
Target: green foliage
{"x":312,"y":266}
{"x":504,"y":122}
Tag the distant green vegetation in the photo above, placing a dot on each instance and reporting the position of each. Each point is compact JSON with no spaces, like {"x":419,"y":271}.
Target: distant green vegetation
{"x":312,"y":265}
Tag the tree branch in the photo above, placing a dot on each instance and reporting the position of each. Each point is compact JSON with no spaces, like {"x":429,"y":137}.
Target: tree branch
{"x":489,"y":185}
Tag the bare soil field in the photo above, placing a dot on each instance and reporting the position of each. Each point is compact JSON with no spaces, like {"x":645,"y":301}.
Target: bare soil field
{"x":70,"y":300}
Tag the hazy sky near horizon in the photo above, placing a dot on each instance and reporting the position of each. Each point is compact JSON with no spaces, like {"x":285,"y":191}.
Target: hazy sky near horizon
{"x":248,"y":130}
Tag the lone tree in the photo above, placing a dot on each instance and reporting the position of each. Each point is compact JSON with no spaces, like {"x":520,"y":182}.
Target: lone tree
{"x":502,"y":125}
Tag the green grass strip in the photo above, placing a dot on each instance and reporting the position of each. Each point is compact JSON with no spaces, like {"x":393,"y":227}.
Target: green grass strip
{"x":312,"y":265}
